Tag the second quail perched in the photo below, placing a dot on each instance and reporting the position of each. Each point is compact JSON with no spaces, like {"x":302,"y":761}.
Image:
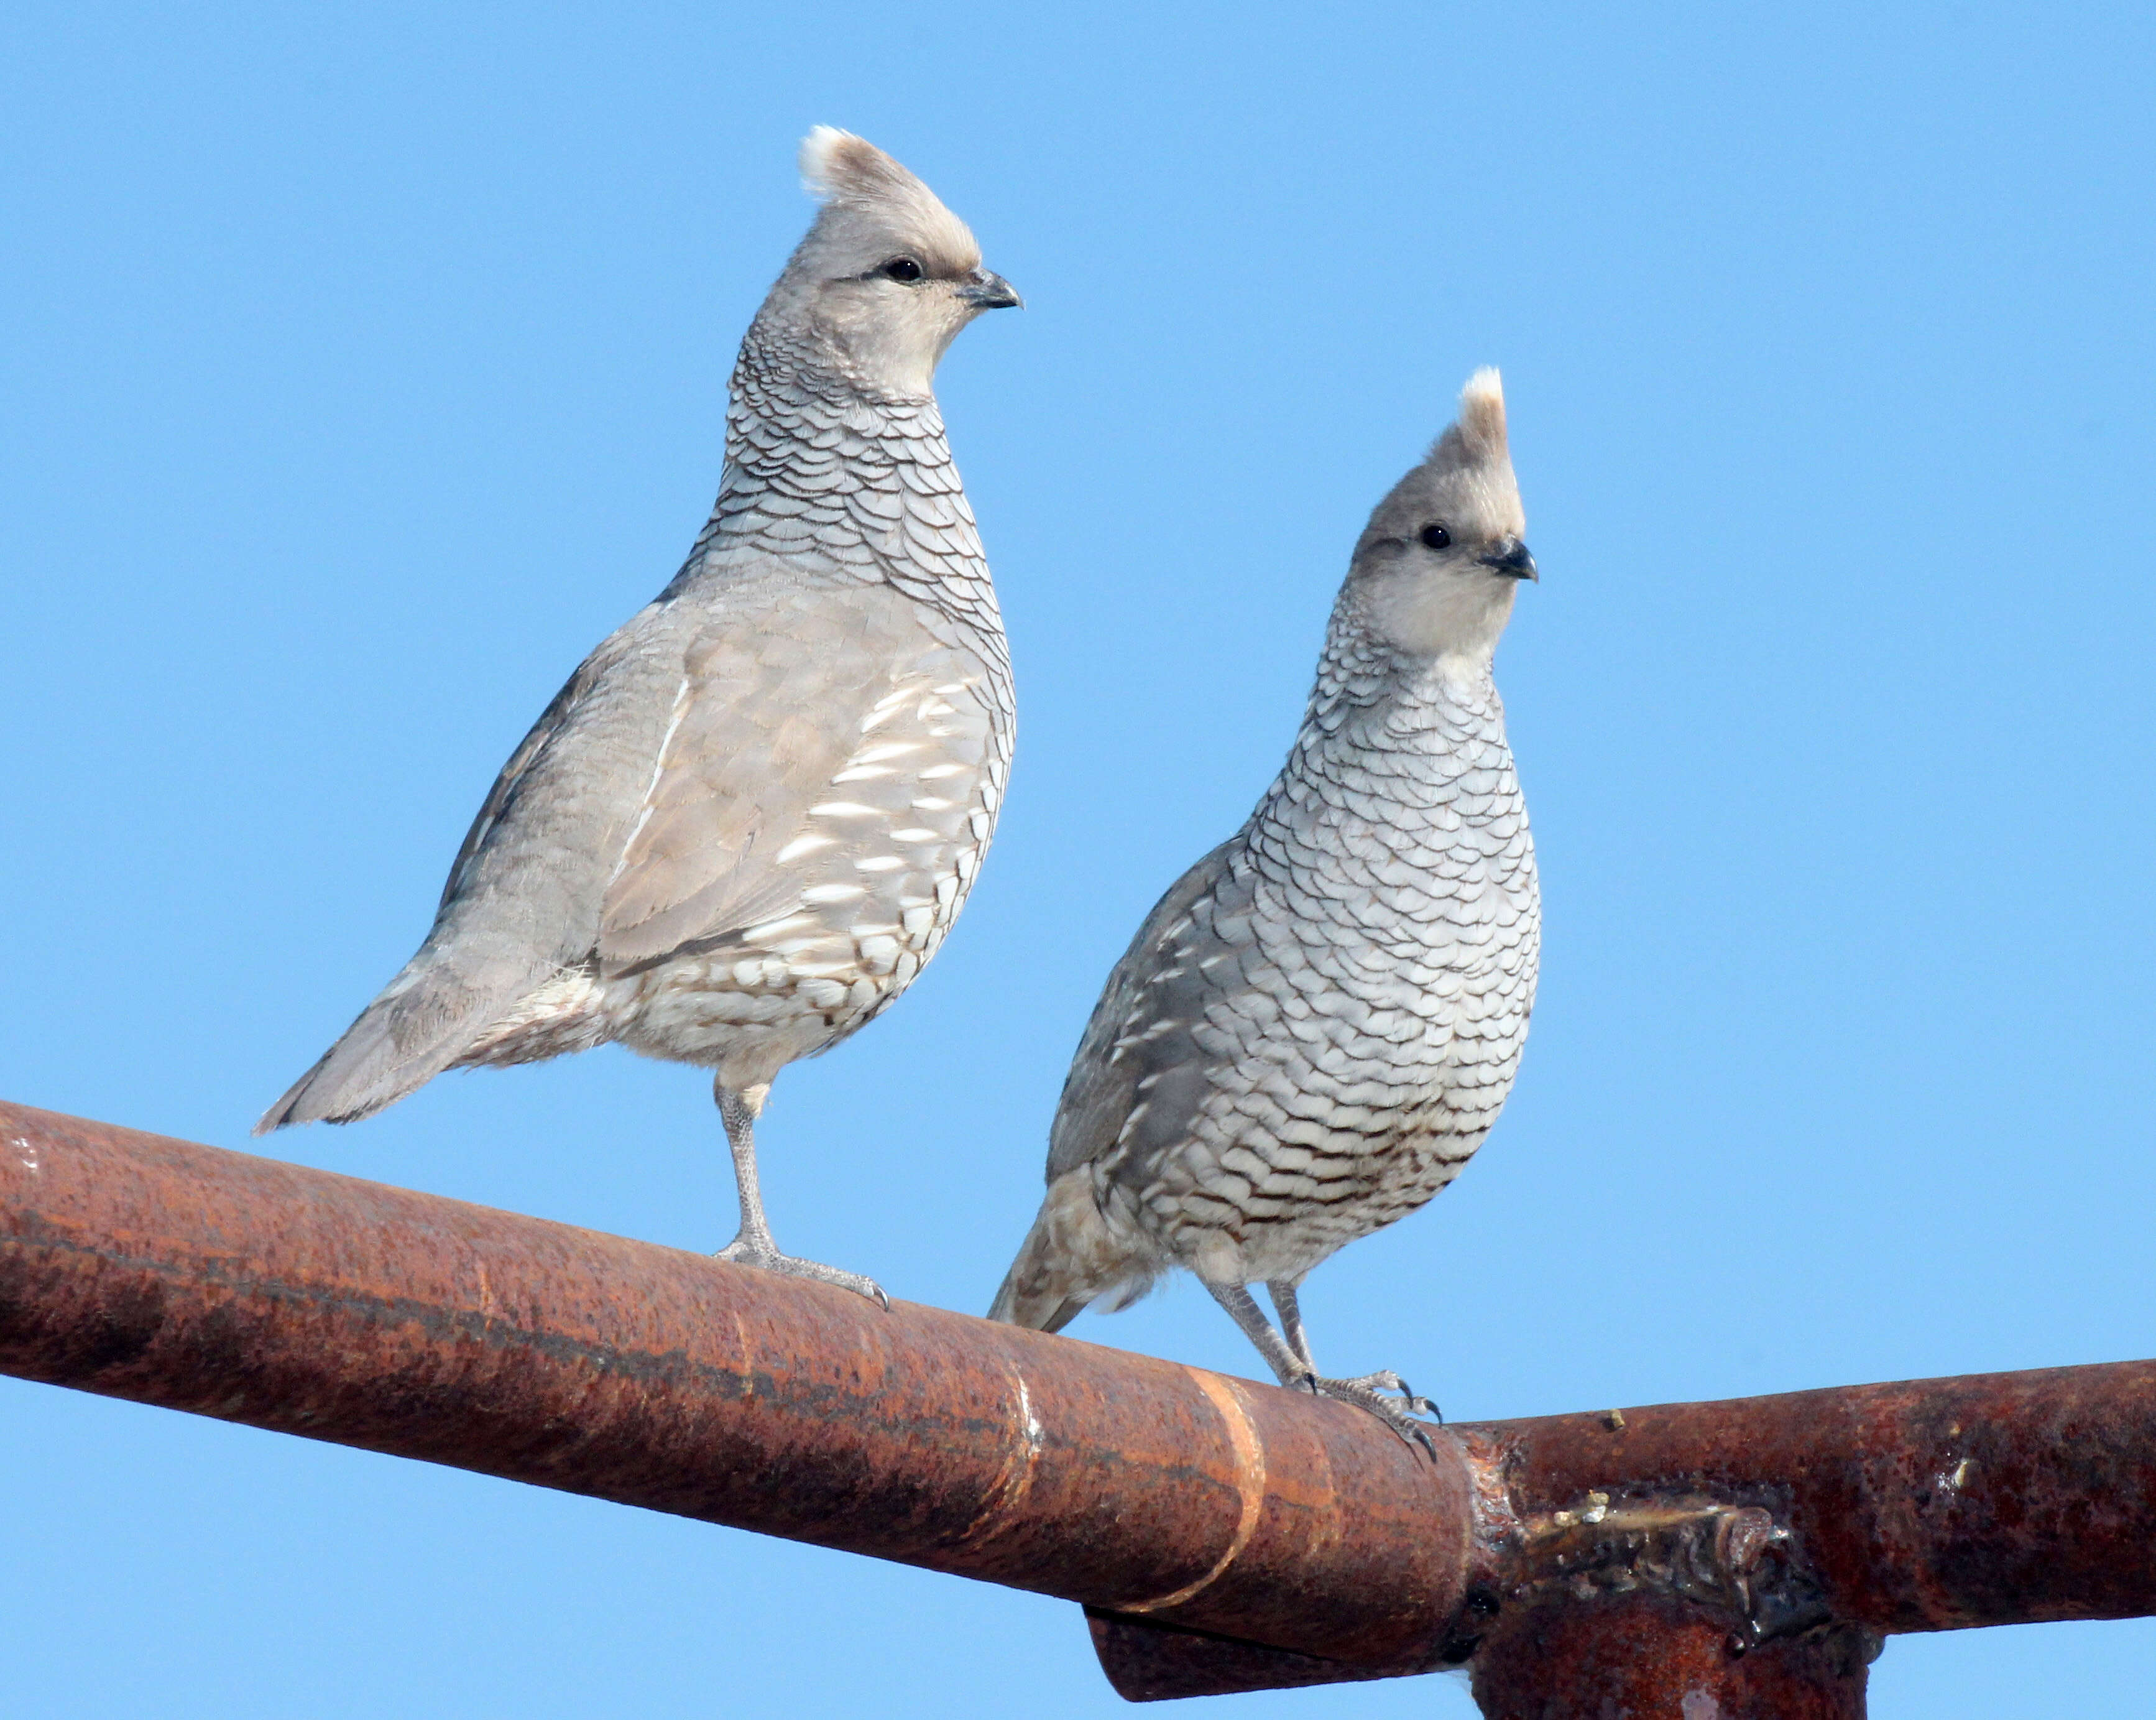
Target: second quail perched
{"x":746,"y":822}
{"x":1317,"y":1025}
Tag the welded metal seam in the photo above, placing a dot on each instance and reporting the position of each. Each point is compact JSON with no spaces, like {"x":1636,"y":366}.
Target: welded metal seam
{"x":1249,"y":1482}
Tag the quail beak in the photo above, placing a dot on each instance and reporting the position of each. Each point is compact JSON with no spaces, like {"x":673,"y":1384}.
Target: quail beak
{"x":988,"y":291}
{"x":1512,"y":559}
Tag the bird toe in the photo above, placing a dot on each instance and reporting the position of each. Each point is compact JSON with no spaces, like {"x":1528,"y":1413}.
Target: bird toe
{"x":741,"y":1252}
{"x":1385,"y":1395}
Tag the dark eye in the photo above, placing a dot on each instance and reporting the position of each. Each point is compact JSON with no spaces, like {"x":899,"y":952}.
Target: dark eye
{"x":903,"y":268}
{"x":1434,"y":535}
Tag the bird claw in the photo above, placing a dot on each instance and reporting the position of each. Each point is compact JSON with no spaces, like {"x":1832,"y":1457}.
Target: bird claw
{"x":743,"y":1253}
{"x":1385,"y":1395}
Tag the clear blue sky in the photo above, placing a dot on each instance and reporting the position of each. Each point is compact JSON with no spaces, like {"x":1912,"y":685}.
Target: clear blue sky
{"x":365,"y":365}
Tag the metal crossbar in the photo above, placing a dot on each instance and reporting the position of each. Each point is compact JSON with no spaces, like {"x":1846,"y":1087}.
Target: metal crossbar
{"x":1744,"y":1557}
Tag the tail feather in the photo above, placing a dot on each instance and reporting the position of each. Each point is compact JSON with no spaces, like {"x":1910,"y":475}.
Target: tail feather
{"x":362,"y":1073}
{"x":426,"y":1018}
{"x":1071,"y":1258}
{"x":1025,"y":1300}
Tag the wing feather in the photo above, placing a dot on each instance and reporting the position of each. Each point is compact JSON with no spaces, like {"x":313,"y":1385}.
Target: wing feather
{"x":770,"y":716}
{"x":1138,"y":1049}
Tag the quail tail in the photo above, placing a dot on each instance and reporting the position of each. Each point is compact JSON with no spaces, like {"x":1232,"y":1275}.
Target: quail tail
{"x":406,"y":1037}
{"x":1069,"y":1259}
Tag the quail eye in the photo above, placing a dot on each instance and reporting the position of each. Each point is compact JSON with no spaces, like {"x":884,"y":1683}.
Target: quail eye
{"x":1435,"y":536}
{"x":903,"y":268}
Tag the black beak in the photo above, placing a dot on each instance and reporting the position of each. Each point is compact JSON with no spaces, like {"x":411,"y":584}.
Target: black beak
{"x":987,"y":291}
{"x":1512,"y":559}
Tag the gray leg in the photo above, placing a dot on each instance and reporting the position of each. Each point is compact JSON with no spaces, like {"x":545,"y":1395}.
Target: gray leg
{"x":752,"y":1246}
{"x":1290,"y":1310}
{"x":1384,"y":1395}
{"x":1288,"y":1367}
{"x":1283,"y":1293}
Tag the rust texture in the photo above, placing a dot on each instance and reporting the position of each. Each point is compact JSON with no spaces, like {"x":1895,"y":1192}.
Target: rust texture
{"x":1223,"y":1536}
{"x":1810,"y":1524}
{"x":1151,"y":1662}
{"x":1654,"y":1657}
{"x":310,"y":1303}
{"x":1930,"y":1505}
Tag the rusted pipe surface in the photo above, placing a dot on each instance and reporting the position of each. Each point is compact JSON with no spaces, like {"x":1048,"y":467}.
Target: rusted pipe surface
{"x":1795,"y":1524}
{"x":1650,"y":1658}
{"x":1925,"y":1505}
{"x":309,"y":1303}
{"x":1225,"y":1536}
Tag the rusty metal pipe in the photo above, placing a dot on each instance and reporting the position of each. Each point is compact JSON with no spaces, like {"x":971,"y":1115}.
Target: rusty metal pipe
{"x":293,"y":1299}
{"x":1224,"y":1536}
{"x":1752,"y":1553}
{"x":1650,"y":1658}
{"x":1925,"y":1505}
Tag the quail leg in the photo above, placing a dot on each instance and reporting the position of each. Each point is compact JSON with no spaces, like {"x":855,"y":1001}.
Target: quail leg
{"x":1282,"y":1291}
{"x":1384,"y":1395}
{"x":752,"y":1246}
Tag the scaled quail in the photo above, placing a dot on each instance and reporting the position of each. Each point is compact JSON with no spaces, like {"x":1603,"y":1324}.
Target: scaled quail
{"x":1317,"y":1026}
{"x":749,"y":818}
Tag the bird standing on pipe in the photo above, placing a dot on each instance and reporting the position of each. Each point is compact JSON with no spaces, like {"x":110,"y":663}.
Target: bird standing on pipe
{"x":1317,"y":1025}
{"x":747,"y":821}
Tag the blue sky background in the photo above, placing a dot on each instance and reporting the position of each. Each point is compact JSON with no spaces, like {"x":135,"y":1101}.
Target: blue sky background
{"x":365,"y":365}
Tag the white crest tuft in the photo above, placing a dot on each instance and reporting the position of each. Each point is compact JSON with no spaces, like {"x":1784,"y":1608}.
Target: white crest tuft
{"x":819,"y":151}
{"x":1481,"y":421}
{"x":842,"y":168}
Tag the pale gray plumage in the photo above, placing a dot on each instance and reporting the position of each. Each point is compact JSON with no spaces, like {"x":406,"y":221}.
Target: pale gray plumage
{"x":749,"y":818}
{"x":1318,"y":1024}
